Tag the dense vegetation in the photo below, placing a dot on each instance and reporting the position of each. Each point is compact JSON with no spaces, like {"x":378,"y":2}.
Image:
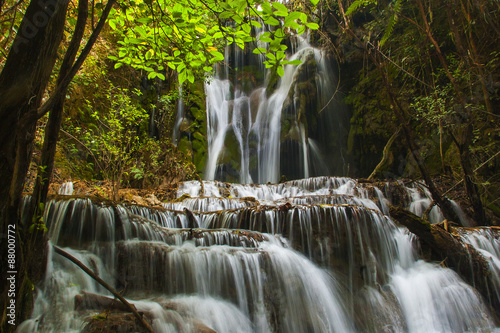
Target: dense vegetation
{"x":423,"y":77}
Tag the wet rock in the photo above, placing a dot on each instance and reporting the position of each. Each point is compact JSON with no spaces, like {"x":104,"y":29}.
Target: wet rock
{"x":114,"y":322}
{"x":137,"y":200}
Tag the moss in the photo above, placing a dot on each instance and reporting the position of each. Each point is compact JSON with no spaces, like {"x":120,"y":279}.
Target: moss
{"x":185,"y":146}
{"x":231,"y":152}
{"x":198,"y":114}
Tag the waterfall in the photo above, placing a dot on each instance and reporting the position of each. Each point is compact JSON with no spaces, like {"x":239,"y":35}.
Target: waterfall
{"x":310,"y":255}
{"x":253,"y":131}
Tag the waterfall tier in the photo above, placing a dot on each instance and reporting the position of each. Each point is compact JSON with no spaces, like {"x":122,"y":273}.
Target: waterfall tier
{"x":311,"y":255}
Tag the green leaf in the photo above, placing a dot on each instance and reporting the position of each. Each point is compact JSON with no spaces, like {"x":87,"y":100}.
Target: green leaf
{"x":303,"y":17}
{"x":280,"y":71}
{"x":265,"y":39}
{"x":256,"y":24}
{"x":393,"y":19}
{"x":266,"y":8}
{"x":246,"y":28}
{"x":280,"y":7}
{"x":312,"y":25}
{"x":182,"y":77}
{"x":145,"y":20}
{"x":259,"y":50}
{"x":294,"y":62}
{"x":118,"y":65}
{"x":270,"y":56}
{"x":181,"y":66}
{"x":217,"y":56}
{"x":279,"y":33}
{"x":314,"y":2}
{"x":357,"y":4}
{"x":225,"y":15}
{"x":271,"y":21}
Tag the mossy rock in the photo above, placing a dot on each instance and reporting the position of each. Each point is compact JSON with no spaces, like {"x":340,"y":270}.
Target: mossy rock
{"x":185,"y":146}
{"x":198,"y":136}
{"x":231,"y":150}
{"x":200,"y":160}
{"x":114,"y":323}
{"x":198,"y":114}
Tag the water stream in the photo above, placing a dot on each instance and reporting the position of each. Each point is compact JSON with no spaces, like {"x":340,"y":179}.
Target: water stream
{"x":259,"y":133}
{"x":311,"y":255}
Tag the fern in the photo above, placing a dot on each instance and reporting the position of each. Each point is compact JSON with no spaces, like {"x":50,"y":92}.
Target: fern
{"x":357,"y":4}
{"x":392,"y":21}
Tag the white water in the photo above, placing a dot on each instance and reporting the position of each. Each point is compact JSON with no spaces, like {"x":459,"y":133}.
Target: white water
{"x":330,"y":261}
{"x":254,"y":120}
{"x":421,"y":200}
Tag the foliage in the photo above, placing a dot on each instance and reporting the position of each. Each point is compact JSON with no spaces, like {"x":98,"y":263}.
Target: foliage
{"x":394,"y":9}
{"x":437,"y":63}
{"x":114,"y":136}
{"x":357,"y":5}
{"x":10,"y":18}
{"x":187,"y":36}
{"x":158,"y":163}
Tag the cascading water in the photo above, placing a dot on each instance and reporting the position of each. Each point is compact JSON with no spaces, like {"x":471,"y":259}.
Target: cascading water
{"x":260,"y":133}
{"x":312,"y":255}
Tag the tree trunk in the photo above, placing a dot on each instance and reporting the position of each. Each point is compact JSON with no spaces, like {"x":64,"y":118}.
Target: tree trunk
{"x":470,"y":185}
{"x":385,"y":154}
{"x":22,"y":85}
{"x":44,"y":174}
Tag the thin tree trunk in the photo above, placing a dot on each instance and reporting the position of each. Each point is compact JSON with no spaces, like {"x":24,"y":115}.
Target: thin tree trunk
{"x":385,"y":154}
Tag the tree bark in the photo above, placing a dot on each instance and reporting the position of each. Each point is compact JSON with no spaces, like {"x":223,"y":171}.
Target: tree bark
{"x":44,"y":174}
{"x":23,"y":81}
{"x":385,"y":154}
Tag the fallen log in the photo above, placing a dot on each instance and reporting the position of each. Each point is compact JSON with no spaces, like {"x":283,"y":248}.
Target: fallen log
{"x":438,"y":243}
{"x":89,"y":301}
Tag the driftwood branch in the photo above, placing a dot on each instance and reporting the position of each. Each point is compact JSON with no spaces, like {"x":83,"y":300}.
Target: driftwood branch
{"x":129,"y":306}
{"x":385,"y":155}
